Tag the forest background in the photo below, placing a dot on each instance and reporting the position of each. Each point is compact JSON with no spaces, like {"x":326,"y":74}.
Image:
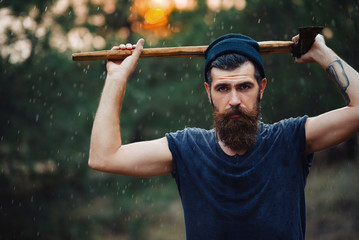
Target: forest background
{"x":48,"y":103}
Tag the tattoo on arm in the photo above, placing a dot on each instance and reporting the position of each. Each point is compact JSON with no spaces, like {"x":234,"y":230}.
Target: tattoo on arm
{"x":337,"y":73}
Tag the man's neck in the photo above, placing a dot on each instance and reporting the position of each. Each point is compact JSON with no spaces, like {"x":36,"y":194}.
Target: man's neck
{"x":230,"y":151}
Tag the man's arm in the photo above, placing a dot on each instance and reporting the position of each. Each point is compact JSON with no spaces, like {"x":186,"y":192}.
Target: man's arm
{"x":334,"y":127}
{"x":143,"y":159}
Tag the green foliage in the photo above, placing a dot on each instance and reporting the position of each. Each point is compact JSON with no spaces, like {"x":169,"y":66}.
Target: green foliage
{"x":48,"y":103}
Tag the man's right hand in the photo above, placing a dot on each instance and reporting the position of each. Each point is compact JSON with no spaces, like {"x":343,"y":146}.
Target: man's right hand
{"x":124,"y":69}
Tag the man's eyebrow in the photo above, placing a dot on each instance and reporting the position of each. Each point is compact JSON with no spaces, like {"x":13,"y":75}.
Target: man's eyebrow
{"x":246,"y":82}
{"x":219,"y":85}
{"x":238,"y":84}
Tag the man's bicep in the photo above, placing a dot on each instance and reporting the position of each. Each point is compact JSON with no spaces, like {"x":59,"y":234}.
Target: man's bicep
{"x":148,"y":158}
{"x":331,"y":128}
{"x":141,"y":159}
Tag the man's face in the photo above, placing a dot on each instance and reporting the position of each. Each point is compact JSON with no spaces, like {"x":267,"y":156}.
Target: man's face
{"x":236,"y":87}
{"x":235,"y":96}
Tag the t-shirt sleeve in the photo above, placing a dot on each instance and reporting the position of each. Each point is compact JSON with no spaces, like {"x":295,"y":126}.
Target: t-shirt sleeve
{"x":175,"y":142}
{"x":295,"y":132}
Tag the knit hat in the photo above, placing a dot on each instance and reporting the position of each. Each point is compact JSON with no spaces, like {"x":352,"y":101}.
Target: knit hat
{"x":234,"y":43}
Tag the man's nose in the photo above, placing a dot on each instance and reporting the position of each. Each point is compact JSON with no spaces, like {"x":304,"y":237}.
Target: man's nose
{"x":234,"y":99}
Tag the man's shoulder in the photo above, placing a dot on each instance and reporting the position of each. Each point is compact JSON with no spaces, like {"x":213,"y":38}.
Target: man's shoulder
{"x":186,"y":140}
{"x":285,"y":127}
{"x":285,"y":123}
{"x":191,"y":132}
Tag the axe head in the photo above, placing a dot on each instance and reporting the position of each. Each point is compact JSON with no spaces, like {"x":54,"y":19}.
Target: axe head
{"x":306,"y":39}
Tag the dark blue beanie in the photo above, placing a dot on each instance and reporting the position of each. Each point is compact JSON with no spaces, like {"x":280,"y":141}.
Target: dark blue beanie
{"x":234,"y":43}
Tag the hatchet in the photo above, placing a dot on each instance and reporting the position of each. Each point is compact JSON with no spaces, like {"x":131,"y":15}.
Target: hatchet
{"x":306,"y":39}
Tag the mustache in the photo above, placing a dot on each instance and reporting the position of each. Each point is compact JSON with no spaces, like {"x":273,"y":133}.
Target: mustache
{"x":236,"y":110}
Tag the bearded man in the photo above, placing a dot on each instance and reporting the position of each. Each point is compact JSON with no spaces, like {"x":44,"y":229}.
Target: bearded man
{"x":243,"y":179}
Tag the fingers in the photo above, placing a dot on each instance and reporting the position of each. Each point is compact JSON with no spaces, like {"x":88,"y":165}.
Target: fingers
{"x":139,"y":48}
{"x":127,"y":46}
{"x":295,"y":38}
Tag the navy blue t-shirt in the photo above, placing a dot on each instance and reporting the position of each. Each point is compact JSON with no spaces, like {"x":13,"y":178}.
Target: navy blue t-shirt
{"x":258,"y":195}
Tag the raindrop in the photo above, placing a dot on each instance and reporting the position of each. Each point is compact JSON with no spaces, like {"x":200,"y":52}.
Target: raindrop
{"x":333,"y":22}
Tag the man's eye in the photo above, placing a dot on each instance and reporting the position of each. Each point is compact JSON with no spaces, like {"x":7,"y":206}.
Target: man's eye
{"x":244,"y":87}
{"x":222,"y":89}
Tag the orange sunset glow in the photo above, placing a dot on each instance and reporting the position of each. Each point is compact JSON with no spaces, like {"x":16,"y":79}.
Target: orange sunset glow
{"x":152,"y":16}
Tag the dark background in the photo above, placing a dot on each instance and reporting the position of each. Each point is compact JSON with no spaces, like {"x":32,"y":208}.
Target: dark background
{"x":48,"y":103}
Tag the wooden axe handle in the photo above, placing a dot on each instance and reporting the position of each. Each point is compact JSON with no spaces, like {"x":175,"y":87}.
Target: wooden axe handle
{"x":265,"y":47}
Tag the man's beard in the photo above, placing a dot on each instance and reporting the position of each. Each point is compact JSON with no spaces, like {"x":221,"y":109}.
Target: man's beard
{"x":238,"y":133}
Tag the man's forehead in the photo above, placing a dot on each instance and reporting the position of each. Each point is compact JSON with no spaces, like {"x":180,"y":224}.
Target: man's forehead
{"x":246,"y":70}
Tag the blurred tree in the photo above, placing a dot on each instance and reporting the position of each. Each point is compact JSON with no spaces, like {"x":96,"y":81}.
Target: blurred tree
{"x":48,"y":102}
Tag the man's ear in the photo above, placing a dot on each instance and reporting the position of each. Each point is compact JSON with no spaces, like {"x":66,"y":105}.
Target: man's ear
{"x":208,"y":89}
{"x":262,"y":86}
